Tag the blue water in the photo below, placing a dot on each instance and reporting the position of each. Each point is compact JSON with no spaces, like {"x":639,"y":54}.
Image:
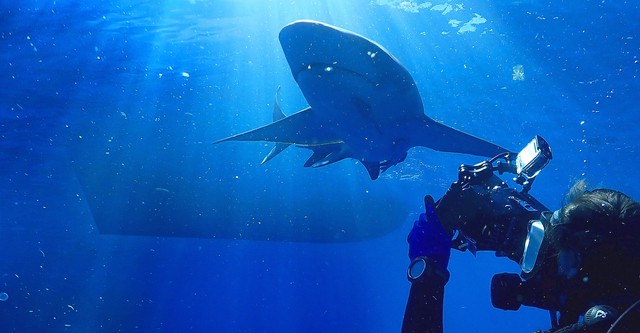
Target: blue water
{"x":118,"y":215}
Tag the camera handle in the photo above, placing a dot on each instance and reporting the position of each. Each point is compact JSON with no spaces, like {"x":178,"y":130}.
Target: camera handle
{"x":481,"y":172}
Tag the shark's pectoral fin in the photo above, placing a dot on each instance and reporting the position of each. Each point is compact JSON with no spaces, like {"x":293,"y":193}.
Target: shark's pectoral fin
{"x":373,"y":168}
{"x":440,"y":137}
{"x":301,"y":128}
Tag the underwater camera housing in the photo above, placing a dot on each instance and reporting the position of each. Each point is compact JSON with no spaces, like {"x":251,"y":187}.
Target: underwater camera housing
{"x":483,"y":213}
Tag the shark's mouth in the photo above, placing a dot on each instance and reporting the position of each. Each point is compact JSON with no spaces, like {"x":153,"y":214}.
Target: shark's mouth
{"x":326,"y":68}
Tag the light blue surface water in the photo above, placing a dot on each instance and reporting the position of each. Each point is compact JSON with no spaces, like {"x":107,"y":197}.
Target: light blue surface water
{"x":118,"y":215}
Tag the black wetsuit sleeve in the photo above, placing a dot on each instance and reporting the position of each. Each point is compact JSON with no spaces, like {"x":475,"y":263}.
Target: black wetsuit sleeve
{"x":424,"y":306}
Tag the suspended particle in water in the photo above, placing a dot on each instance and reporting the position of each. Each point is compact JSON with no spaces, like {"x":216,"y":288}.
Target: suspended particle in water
{"x":518,"y":73}
{"x":4,"y":296}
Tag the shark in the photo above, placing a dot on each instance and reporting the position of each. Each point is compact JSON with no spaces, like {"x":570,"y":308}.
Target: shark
{"x":363,"y":104}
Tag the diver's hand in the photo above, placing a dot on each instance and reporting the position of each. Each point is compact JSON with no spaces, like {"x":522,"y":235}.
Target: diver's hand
{"x":428,"y":237}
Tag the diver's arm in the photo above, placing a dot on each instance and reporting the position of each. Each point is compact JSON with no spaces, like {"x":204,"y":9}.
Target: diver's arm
{"x":423,"y":313}
{"x":429,"y":251}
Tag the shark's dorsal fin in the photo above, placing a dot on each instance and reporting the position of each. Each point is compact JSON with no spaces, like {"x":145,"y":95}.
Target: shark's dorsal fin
{"x":277,"y":111}
{"x":277,"y":115}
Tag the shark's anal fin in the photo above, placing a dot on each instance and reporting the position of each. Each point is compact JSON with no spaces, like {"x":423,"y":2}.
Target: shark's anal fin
{"x":320,"y":153}
{"x":332,"y":157}
{"x":277,"y":115}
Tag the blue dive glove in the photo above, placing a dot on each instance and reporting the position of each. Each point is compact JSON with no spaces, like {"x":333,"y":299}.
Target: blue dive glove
{"x":428,"y":238}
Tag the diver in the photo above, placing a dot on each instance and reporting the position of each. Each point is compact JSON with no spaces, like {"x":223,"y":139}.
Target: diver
{"x":581,"y":262}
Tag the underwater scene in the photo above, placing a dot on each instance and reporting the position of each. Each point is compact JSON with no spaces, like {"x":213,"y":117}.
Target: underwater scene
{"x":125,"y":210}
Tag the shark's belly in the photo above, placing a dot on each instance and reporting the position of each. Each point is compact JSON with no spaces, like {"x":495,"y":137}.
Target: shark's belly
{"x":356,"y":110}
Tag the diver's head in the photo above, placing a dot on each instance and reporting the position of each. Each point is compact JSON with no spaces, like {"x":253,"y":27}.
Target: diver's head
{"x":594,"y":244}
{"x":584,"y":254}
{"x":599,"y":225}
